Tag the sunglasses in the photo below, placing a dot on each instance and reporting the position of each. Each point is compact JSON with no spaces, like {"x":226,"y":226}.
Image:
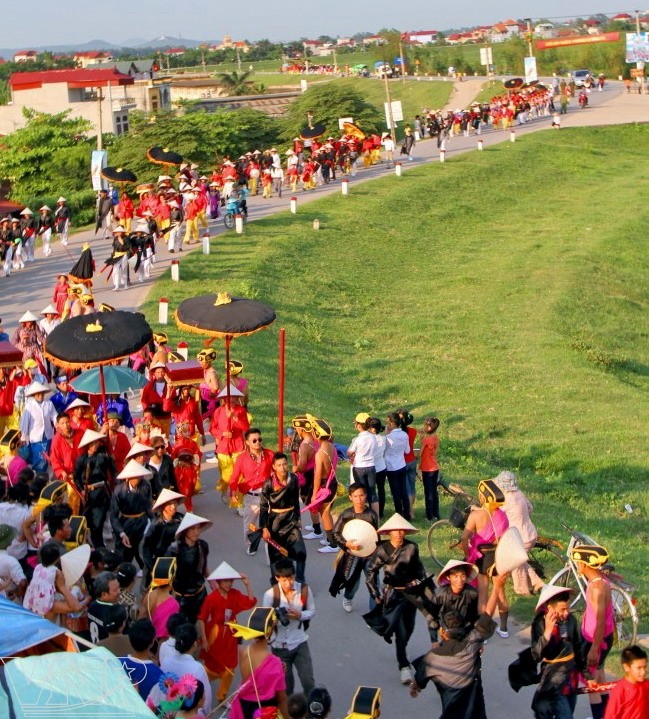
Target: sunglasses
{"x":256,"y":441}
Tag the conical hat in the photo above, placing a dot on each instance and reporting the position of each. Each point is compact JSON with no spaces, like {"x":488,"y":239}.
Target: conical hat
{"x":234,"y":392}
{"x":191,"y":520}
{"x":510,"y":552}
{"x":166,"y":496}
{"x":90,"y":436}
{"x":28,"y":317}
{"x":74,"y":563}
{"x":471,"y":570}
{"x":50,"y":310}
{"x":364,"y":534}
{"x":35,"y":388}
{"x":78,"y":403}
{"x":138,"y":448}
{"x":396,"y":521}
{"x":224,"y":571}
{"x":549,"y":591}
{"x":134,"y":469}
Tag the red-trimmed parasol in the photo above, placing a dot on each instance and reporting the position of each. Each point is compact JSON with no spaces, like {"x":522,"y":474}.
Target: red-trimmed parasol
{"x":118,"y":175}
{"x":163,"y":156}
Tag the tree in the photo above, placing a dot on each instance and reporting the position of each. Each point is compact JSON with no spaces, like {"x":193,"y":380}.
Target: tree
{"x":198,"y":136}
{"x":51,"y":151}
{"x":236,"y":83}
{"x":328,"y":102}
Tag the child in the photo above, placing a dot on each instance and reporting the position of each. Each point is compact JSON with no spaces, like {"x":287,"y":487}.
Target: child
{"x":630,"y":698}
{"x":48,"y":580}
{"x":187,"y":464}
{"x":429,"y":467}
{"x":266,"y":184}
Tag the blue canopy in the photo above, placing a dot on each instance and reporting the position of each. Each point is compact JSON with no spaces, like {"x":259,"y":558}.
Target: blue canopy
{"x":22,"y":629}
{"x":397,"y":61}
{"x":67,"y":684}
{"x":380,"y":63}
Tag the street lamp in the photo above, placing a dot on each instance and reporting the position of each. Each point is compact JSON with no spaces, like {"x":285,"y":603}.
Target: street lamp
{"x":528,"y":20}
{"x":640,"y":65}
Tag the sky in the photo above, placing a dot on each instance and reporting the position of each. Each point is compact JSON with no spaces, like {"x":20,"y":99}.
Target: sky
{"x":54,"y":22}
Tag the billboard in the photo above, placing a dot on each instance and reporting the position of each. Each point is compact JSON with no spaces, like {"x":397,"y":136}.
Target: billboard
{"x":637,"y":47}
{"x":577,"y":40}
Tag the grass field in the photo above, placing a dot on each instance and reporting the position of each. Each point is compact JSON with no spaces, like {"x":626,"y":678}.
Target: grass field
{"x":504,"y":291}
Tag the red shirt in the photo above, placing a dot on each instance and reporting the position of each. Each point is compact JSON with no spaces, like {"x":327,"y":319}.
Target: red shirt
{"x":236,"y":425}
{"x":428,"y":455}
{"x":409,"y":456}
{"x":7,"y":392}
{"x":119,"y":448}
{"x":151,"y":398}
{"x":253,"y":472}
{"x":628,"y":701}
{"x":188,"y":411}
{"x":64,"y":453}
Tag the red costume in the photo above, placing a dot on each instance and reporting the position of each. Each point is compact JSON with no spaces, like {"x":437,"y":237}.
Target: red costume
{"x":186,"y":472}
{"x":235,"y":425}
{"x":64,"y":453}
{"x":119,"y":448}
{"x":248,"y":475}
{"x":59,"y":296}
{"x":186,"y":411}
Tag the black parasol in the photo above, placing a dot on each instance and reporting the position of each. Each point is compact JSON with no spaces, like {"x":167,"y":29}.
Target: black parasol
{"x":118,"y":175}
{"x":312,"y":133}
{"x":84,"y":268}
{"x":97,"y":339}
{"x":513,"y":83}
{"x":163,"y":156}
{"x":220,"y":315}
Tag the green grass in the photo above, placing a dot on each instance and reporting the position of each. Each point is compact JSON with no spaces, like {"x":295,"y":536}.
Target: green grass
{"x":504,"y":291}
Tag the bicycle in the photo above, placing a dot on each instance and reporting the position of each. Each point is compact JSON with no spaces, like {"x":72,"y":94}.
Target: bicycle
{"x":624,"y":610}
{"x":444,"y":536}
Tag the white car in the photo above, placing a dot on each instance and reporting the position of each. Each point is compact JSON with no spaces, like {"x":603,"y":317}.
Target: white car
{"x":580,"y":76}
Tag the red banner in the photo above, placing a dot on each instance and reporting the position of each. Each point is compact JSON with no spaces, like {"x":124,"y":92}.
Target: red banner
{"x":577,"y":40}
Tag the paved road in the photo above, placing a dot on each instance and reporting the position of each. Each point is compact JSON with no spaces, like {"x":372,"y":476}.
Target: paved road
{"x":346,"y":653}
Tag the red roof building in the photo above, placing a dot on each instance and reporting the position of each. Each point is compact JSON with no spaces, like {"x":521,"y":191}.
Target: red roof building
{"x":76,"y":78}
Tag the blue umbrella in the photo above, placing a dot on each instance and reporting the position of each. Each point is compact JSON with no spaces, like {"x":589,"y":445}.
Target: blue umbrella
{"x":22,"y":629}
{"x":118,"y":380}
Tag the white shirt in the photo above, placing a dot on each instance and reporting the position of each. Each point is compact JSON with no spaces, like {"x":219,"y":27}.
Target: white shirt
{"x":363,"y":447}
{"x":37,"y":420}
{"x":181,"y":664}
{"x":293,"y":635}
{"x":388,"y":144}
{"x":379,"y":458}
{"x":10,"y":571}
{"x":14,"y":515}
{"x":48,"y":326}
{"x":397,"y":445}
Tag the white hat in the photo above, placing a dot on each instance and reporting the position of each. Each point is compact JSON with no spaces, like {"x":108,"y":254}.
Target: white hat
{"x":289,"y":152}
{"x":50,"y":310}
{"x":224,"y":571}
{"x":158,"y":365}
{"x":61,"y":199}
{"x":192,"y":520}
{"x":364,"y":534}
{"x":142,"y":227}
{"x":164,"y":178}
{"x":74,"y":563}
{"x":26,"y":211}
{"x":471,"y":570}
{"x":139,"y":448}
{"x":549,"y":591}
{"x":45,"y":207}
{"x":78,"y":402}
{"x":133,"y":470}
{"x":396,"y":521}
{"x":234,"y":392}
{"x":173,"y":203}
{"x":90,"y":436}
{"x":28,"y":317}
{"x":119,"y":228}
{"x":35,"y":388}
{"x":166,"y":496}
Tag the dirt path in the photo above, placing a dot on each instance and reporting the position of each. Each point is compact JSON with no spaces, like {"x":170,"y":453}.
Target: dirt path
{"x":464,"y":93}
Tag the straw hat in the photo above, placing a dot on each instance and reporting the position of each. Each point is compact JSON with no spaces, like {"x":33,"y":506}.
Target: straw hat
{"x":192,"y":520}
{"x":78,"y":403}
{"x":45,"y":208}
{"x":138,"y":448}
{"x":157,"y":365}
{"x":396,"y":522}
{"x":28,"y":317}
{"x":364,"y":534}
{"x":166,"y":496}
{"x":224,"y":571}
{"x":26,"y":212}
{"x":549,"y":591}
{"x":234,"y":392}
{"x":134,"y":470}
{"x":90,"y":436}
{"x":35,"y":388}
{"x":471,"y":570}
{"x":50,"y":310}
{"x":7,"y":534}
{"x":61,"y":199}
{"x":74,"y":563}
{"x":119,"y":229}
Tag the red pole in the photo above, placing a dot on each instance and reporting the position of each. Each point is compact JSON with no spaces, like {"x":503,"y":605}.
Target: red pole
{"x":228,"y":339}
{"x":280,"y":399}
{"x":104,"y":405}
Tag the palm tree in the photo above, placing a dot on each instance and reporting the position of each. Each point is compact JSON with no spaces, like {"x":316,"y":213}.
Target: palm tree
{"x":235,"y":83}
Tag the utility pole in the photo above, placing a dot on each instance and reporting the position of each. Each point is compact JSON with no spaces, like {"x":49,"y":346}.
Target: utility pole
{"x":238,"y":58}
{"x":639,"y":65}
{"x":388,"y":99}
{"x":403,"y":67}
{"x":528,"y":20}
{"x":306,"y":58}
{"x":100,"y":130}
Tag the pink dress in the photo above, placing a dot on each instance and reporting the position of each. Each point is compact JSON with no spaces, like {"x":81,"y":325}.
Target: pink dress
{"x":161,"y":614}
{"x":39,"y":597}
{"x":263,"y":685}
{"x":487,"y":535}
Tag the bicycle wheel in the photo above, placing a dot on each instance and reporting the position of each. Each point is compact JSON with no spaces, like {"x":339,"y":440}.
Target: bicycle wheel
{"x":444,"y":542}
{"x":625,"y":616}
{"x":545,"y":559}
{"x":228,"y":220}
{"x":567,"y":578}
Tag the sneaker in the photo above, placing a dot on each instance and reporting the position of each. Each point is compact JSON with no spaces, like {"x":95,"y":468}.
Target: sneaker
{"x":250,"y":553}
{"x":213,"y":460}
{"x":313,"y":535}
{"x":308,"y":529}
{"x":327,"y":549}
{"x":502,"y":633}
{"x":348,"y":605}
{"x":209,"y":455}
{"x":406,"y":675}
{"x":324,"y":542}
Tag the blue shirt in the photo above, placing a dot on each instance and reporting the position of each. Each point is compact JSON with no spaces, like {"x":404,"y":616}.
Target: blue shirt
{"x":61,"y":401}
{"x":142,"y":675}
